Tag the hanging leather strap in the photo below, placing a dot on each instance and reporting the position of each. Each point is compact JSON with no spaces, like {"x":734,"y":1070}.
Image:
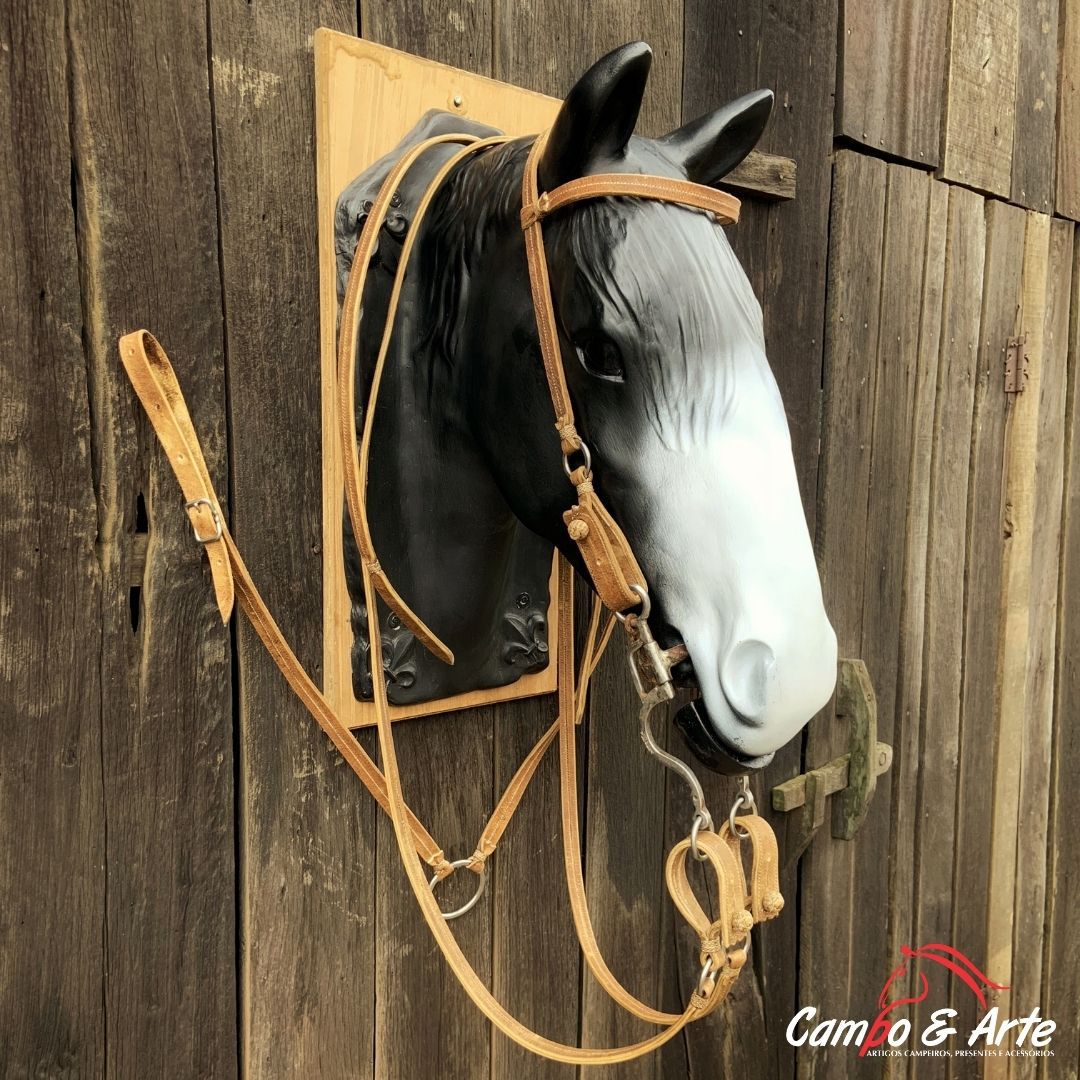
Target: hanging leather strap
{"x":603,"y":545}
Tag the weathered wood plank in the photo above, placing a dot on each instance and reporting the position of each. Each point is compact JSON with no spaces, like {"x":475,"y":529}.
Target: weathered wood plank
{"x":784,"y":248}
{"x":982,"y":591}
{"x":307,"y":826}
{"x":768,"y":176}
{"x":943,"y":644}
{"x":1021,"y":435}
{"x":856,"y":230}
{"x":909,"y":678}
{"x":547,"y":44}
{"x":52,"y":823}
{"x":1036,"y":101}
{"x":144,"y":155}
{"x":1062,"y":959}
{"x":980,"y":95}
{"x":1029,"y":902}
{"x":891,"y":76}
{"x":1067,"y":178}
{"x":422,"y":1015}
{"x":896,"y":382}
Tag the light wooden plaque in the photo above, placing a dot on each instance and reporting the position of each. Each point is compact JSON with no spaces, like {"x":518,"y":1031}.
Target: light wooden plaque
{"x":367,"y":98}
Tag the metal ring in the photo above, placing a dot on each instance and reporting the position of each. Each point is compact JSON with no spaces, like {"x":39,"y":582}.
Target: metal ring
{"x":213,"y":513}
{"x":702,"y":819}
{"x":646,"y":604}
{"x":706,"y":973}
{"x":584,"y":451}
{"x":457,"y":864}
{"x":742,"y":799}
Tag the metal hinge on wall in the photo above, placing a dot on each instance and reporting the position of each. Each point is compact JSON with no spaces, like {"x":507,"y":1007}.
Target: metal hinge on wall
{"x":853,"y":775}
{"x":1016,"y":365}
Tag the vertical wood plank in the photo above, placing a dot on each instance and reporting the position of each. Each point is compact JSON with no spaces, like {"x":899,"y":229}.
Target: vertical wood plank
{"x":856,"y":231}
{"x":980,"y":95}
{"x":890,"y":76}
{"x":943,"y":645}
{"x":545,"y":45}
{"x":52,"y":823}
{"x":982,"y":592}
{"x":1021,"y":435}
{"x":144,"y":158}
{"x":792,"y":49}
{"x":1061,"y":953}
{"x":307,"y":826}
{"x":1067,"y":179}
{"x":896,"y":385}
{"x":909,"y":680}
{"x":1036,"y":101}
{"x":1029,"y":901}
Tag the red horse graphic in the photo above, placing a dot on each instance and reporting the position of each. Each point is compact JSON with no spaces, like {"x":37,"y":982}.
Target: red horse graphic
{"x":945,"y":955}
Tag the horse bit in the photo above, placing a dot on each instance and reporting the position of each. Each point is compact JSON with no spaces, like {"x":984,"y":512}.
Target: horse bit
{"x":741,"y":900}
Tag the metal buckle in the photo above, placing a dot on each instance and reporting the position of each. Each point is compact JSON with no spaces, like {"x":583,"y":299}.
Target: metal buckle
{"x":213,"y":513}
{"x":457,"y":864}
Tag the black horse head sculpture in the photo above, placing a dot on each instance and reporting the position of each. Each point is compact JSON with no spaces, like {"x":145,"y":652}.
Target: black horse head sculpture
{"x":665,"y":359}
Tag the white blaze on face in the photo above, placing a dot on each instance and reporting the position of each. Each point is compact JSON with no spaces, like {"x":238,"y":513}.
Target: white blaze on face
{"x":729,"y":553}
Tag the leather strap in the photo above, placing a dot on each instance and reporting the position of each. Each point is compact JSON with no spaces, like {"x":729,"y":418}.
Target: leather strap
{"x":603,"y":545}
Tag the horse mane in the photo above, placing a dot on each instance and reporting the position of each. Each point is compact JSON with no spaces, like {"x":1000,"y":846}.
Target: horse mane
{"x":662,"y":250}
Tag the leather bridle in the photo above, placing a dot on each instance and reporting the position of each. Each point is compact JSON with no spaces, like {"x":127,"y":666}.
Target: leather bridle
{"x":620,"y":586}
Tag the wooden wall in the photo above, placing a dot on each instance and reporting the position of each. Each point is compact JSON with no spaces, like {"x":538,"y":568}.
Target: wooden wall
{"x":192,"y":883}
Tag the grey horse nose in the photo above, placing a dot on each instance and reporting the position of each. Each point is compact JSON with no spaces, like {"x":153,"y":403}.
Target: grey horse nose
{"x":746,"y":677}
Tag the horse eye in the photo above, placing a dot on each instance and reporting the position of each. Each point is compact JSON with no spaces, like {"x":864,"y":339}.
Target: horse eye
{"x":600,"y":357}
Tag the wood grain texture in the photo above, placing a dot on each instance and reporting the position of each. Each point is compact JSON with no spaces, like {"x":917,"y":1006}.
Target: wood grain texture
{"x":856,"y":230}
{"x":545,"y":45}
{"x":307,"y":826}
{"x":144,"y":158}
{"x":909,"y":720}
{"x":890,"y":76}
{"x":52,"y":814}
{"x":982,"y":590}
{"x":1061,"y":951}
{"x":783,"y":248}
{"x":1021,"y":438}
{"x":1029,"y":900}
{"x":943,"y":643}
{"x":1036,"y":105}
{"x":980,"y":95}
{"x":1067,"y":175}
{"x":896,"y":398}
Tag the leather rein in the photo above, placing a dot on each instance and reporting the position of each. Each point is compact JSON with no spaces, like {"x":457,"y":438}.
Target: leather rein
{"x":743,"y":898}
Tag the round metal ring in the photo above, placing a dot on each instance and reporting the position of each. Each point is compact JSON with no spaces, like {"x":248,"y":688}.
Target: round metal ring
{"x":701,"y":820}
{"x":469,"y":904}
{"x":584,"y":451}
{"x":740,"y":800}
{"x":646,"y":604}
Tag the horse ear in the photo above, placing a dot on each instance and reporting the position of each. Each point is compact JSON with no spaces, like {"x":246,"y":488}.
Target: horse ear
{"x":711,"y":146}
{"x":597,"y":117}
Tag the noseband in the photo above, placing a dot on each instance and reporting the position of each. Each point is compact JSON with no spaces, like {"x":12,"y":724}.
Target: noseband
{"x":619,"y":584}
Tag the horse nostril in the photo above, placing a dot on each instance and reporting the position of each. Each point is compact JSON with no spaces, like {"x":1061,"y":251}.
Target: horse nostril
{"x":746,"y":677}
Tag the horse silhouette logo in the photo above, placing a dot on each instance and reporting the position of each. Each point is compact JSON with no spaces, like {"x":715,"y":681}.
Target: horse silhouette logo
{"x":945,"y":956}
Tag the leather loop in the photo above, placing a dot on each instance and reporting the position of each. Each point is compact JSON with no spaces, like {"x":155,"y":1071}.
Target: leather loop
{"x":763,"y":898}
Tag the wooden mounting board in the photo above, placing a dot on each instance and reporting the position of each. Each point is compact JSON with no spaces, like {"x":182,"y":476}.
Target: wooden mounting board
{"x":367,"y":97}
